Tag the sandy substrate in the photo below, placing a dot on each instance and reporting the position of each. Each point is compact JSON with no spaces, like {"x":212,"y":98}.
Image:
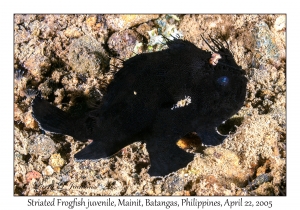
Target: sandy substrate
{"x":71,"y":59}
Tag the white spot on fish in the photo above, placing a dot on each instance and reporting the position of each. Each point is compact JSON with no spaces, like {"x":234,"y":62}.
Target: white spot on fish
{"x":182,"y":103}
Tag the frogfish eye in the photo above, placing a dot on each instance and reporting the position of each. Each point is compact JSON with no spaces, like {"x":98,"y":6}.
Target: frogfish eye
{"x":223,"y":80}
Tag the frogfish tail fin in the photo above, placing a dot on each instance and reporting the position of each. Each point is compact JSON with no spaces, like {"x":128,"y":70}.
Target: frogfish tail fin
{"x":52,"y":119}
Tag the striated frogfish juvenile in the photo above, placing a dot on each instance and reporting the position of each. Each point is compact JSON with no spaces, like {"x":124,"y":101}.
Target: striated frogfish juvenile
{"x":157,"y":97}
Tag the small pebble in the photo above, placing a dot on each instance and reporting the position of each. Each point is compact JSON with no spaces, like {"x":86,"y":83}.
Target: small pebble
{"x":48,"y":171}
{"x":56,"y":162}
{"x":32,"y":175}
{"x":280,"y":23}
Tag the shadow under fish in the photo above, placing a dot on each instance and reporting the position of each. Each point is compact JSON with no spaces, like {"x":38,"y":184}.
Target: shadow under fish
{"x":158,"y":97}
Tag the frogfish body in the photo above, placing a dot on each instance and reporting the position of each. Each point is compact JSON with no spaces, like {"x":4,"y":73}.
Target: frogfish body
{"x":157,"y":97}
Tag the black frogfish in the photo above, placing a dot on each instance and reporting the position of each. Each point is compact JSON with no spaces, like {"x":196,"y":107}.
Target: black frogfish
{"x":157,"y":97}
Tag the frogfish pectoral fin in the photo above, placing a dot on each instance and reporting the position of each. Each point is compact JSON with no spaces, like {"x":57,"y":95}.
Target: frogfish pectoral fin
{"x":93,"y":151}
{"x":166,"y":157}
{"x":101,"y":148}
{"x":210,"y":136}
